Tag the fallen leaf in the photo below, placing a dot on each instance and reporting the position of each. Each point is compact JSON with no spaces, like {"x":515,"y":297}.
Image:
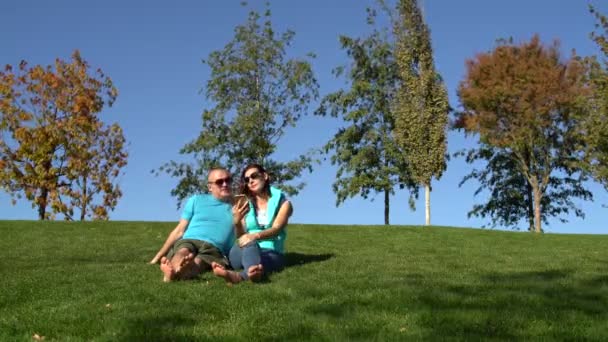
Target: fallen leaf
{"x":38,"y":337}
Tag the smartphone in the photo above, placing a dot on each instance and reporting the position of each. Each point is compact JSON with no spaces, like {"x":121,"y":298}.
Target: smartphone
{"x":239,"y":199}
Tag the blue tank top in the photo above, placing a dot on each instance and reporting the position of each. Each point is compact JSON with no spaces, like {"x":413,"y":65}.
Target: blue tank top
{"x":276,"y":243}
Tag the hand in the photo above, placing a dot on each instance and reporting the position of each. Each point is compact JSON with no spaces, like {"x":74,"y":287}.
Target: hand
{"x":154,"y":260}
{"x":239,"y":211}
{"x":245,"y":239}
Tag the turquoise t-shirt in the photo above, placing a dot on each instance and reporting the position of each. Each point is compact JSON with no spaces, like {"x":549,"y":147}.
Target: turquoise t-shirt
{"x":210,"y":220}
{"x":276,"y":243}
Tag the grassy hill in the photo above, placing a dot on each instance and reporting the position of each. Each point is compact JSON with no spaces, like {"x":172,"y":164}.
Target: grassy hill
{"x":91,"y":281}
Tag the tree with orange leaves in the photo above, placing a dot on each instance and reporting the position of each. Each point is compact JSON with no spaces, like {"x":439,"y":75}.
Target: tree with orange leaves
{"x":527,"y":103}
{"x":54,"y":149}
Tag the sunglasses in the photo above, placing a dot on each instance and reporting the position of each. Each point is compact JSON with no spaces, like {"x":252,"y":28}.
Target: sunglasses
{"x":222,"y":181}
{"x":255,"y":175}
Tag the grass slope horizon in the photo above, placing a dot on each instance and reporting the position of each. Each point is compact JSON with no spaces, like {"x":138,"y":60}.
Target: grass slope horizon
{"x":90,"y":281}
{"x":379,"y":225}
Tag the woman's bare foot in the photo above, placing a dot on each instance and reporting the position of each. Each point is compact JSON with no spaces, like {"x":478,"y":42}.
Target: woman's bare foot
{"x":167,"y":269}
{"x":255,"y":272}
{"x":230,"y":276}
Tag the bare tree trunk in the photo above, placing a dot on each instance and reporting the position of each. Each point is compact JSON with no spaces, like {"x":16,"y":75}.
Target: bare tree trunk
{"x":386,"y":207}
{"x":85,"y":199}
{"x":537,"y":198}
{"x":530,"y":201}
{"x":44,"y":194}
{"x":427,"y":204}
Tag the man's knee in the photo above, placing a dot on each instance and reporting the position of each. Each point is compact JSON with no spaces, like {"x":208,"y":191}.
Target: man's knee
{"x":184,"y":251}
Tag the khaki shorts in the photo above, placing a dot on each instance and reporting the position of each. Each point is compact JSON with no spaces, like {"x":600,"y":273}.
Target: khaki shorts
{"x":203,"y":250}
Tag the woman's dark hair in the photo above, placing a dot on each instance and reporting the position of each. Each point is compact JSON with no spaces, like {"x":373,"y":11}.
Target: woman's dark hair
{"x":244,"y":189}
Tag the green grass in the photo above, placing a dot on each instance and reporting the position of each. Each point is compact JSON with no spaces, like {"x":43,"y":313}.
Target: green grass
{"x":90,"y":281}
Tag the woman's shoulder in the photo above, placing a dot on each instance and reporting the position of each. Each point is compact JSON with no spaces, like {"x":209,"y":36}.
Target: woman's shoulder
{"x":279,"y":196}
{"x":276,"y":192}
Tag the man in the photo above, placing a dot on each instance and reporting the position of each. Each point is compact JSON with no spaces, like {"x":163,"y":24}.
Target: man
{"x":205,"y":231}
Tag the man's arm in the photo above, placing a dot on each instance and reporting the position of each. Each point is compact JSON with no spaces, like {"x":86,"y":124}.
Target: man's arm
{"x":175,"y":235}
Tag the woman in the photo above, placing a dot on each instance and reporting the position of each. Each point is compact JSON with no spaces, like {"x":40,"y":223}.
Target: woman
{"x":261,"y":231}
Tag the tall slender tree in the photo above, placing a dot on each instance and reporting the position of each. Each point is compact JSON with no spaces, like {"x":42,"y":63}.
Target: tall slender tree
{"x":95,"y":190}
{"x":258,"y":93}
{"x":368,"y":159}
{"x":421,"y":107}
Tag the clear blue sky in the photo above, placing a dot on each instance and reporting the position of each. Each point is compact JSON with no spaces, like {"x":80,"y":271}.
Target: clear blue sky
{"x":153,"y":50}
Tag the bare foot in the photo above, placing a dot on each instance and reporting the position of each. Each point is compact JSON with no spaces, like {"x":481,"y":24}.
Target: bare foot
{"x":230,"y":276}
{"x":185,"y":263}
{"x":167,"y":269}
{"x":255,"y":272}
{"x":186,"y":269}
{"x":191,"y":268}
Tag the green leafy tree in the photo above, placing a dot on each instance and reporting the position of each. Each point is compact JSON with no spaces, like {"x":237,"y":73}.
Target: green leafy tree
{"x":51,"y":138}
{"x":510,"y":197}
{"x":97,"y":160}
{"x":421,"y":107}
{"x":368,"y":159}
{"x":258,"y":94}
{"x":597,"y":123}
{"x":527,"y":102}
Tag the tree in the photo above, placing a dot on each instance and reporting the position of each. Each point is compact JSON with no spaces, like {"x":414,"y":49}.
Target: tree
{"x":49,"y":132}
{"x":258,"y":93}
{"x":597,"y":122}
{"x":528,"y":103}
{"x":511,"y":198}
{"x":421,"y":106}
{"x":367,"y":156}
{"x":600,"y":38}
{"x":104,"y":155}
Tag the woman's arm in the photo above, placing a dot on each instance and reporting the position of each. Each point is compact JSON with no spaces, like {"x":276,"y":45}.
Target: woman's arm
{"x":238,"y":216}
{"x":175,"y":235}
{"x":280,"y":221}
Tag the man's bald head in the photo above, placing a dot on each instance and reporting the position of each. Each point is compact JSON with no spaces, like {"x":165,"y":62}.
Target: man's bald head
{"x":219,"y":183}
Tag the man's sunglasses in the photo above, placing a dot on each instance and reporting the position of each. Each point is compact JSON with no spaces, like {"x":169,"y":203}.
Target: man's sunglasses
{"x":255,"y":175}
{"x":221,"y":181}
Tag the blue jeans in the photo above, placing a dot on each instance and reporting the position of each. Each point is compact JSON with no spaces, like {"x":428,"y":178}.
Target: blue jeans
{"x":251,"y":254}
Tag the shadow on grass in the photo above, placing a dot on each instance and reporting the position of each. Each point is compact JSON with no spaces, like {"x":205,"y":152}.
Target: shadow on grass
{"x":298,"y":259}
{"x":538,"y":304}
{"x":159,"y":328}
{"x":598,"y":281}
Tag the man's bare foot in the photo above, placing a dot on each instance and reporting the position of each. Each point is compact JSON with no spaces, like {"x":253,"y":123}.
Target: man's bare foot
{"x":191,"y":268}
{"x":230,"y":276}
{"x":167,"y":269}
{"x":255,"y":272}
{"x":186,"y":266}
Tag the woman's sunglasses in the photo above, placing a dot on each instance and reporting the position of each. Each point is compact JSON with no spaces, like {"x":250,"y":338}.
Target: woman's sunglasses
{"x":221,"y":181}
{"x":255,"y":175}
